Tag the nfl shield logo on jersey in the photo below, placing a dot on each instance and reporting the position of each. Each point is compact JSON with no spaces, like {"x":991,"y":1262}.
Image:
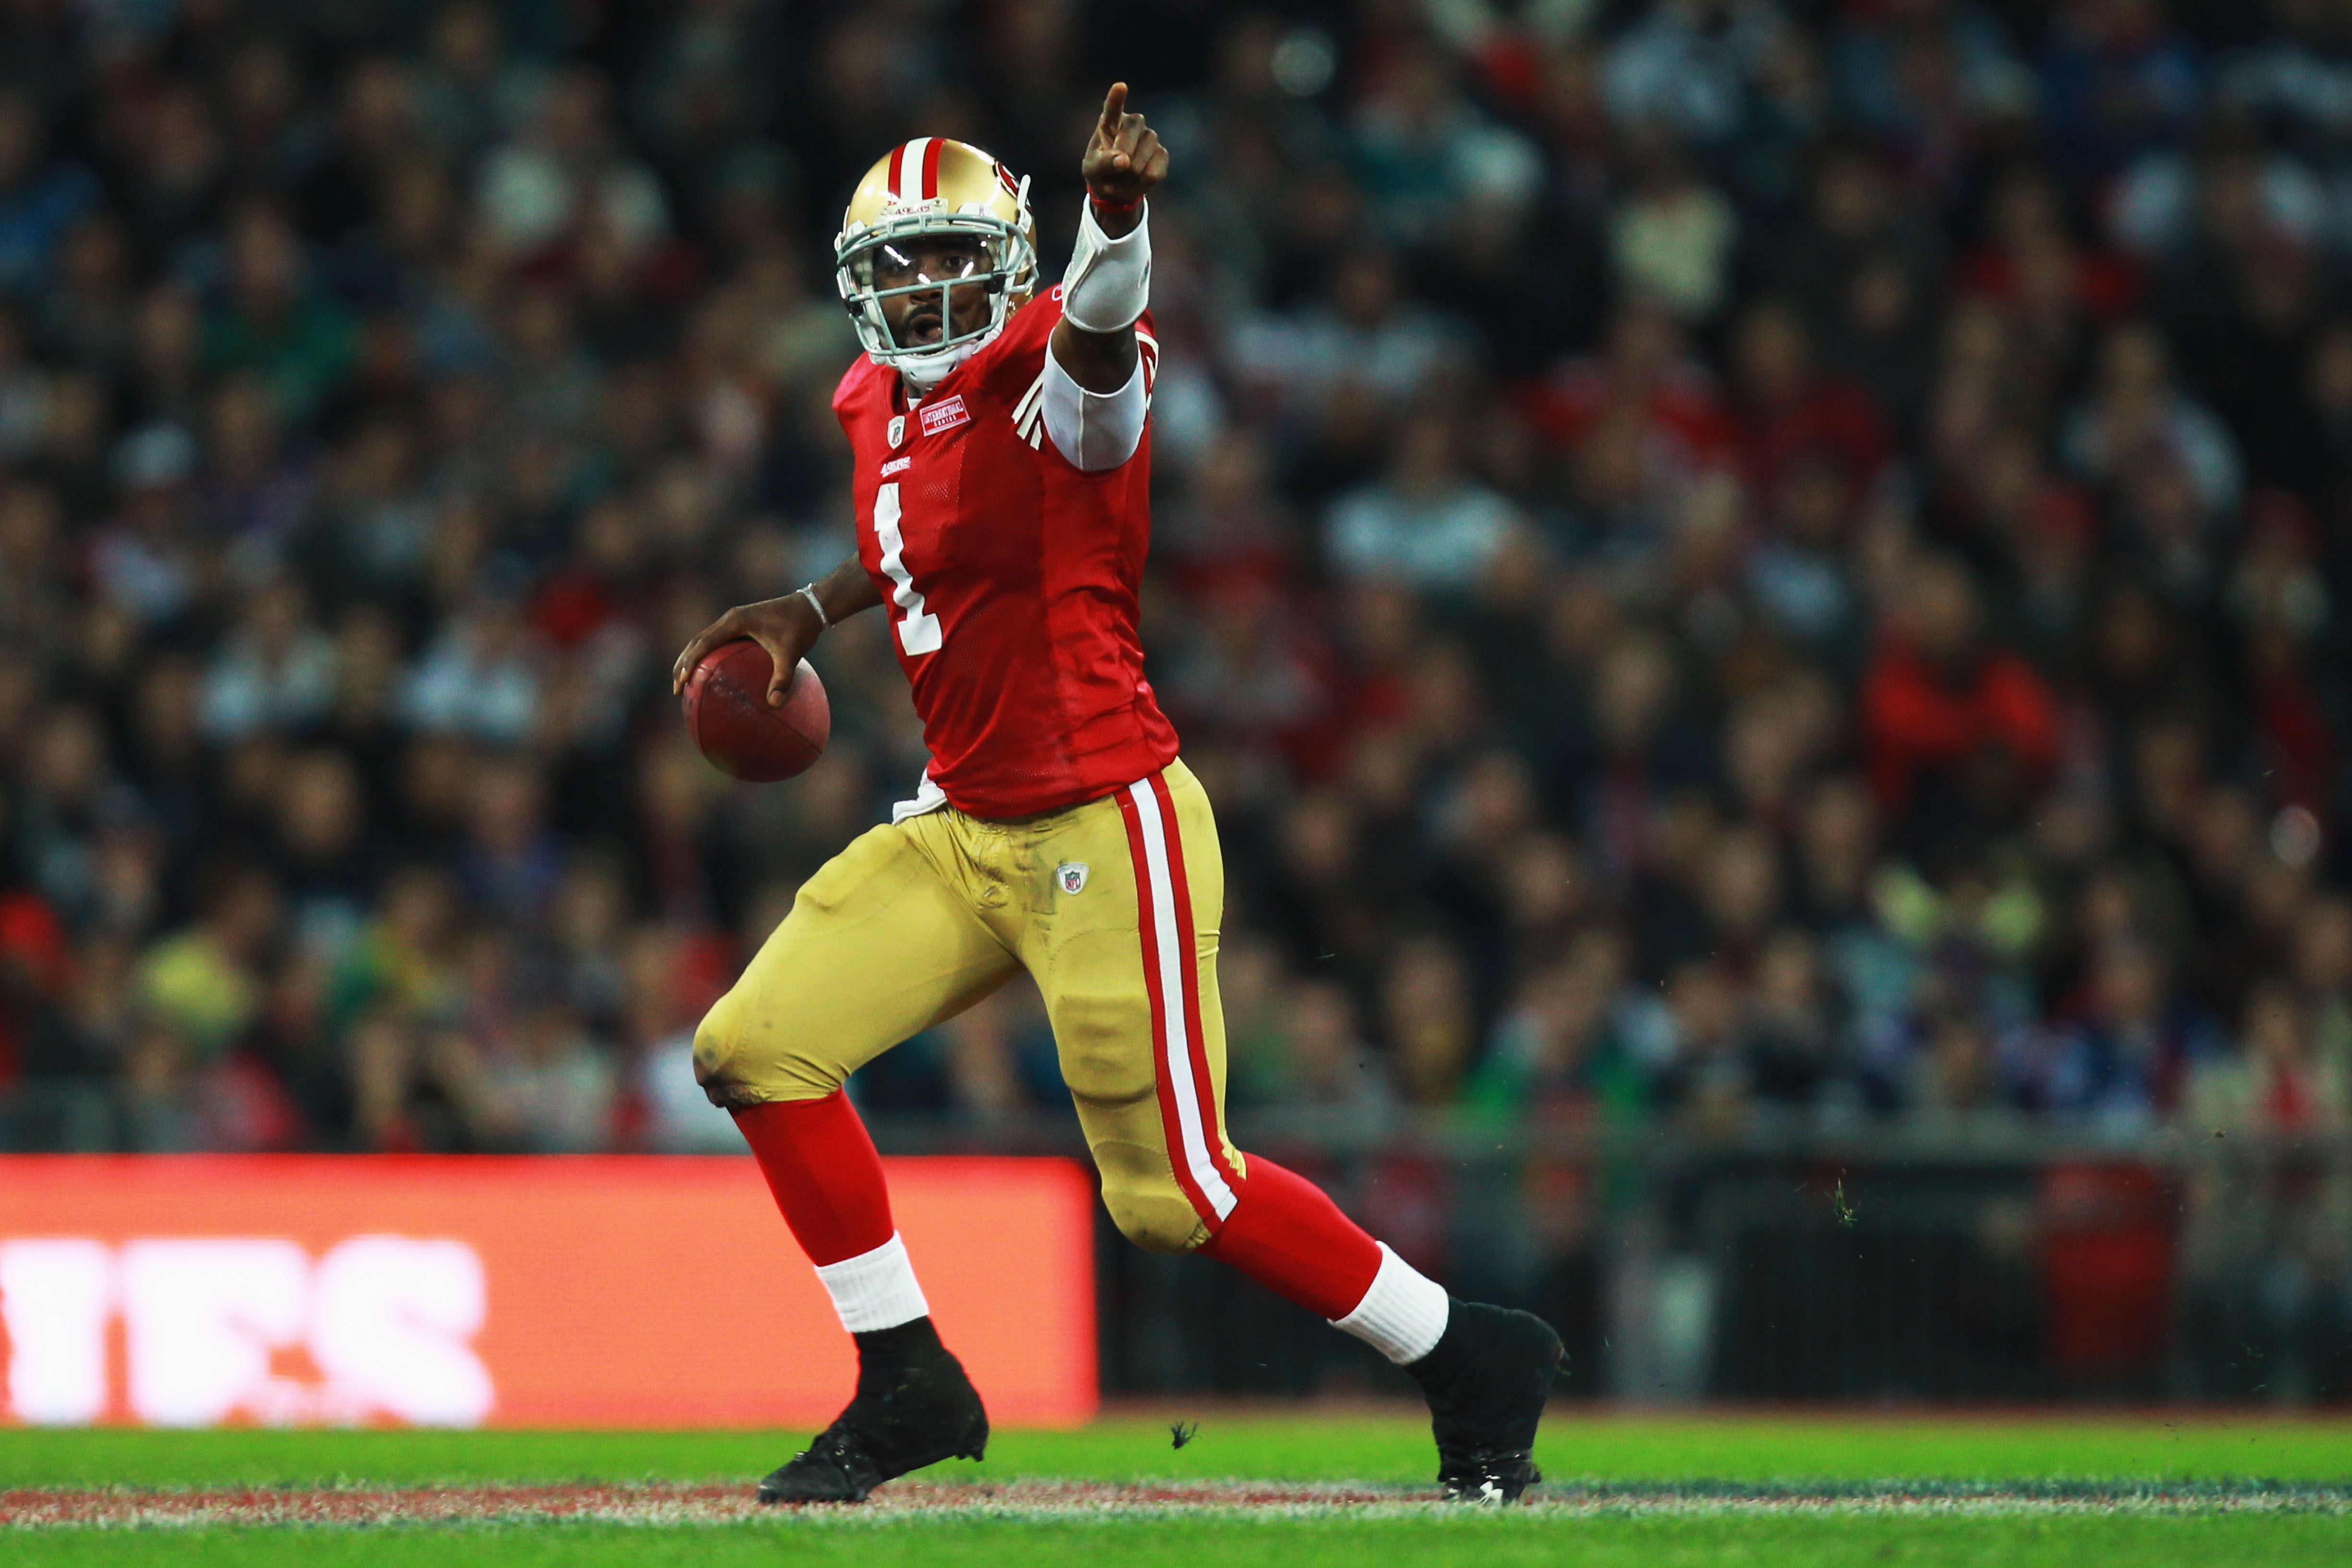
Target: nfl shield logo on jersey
{"x":897,"y":431}
{"x":1072,"y":876}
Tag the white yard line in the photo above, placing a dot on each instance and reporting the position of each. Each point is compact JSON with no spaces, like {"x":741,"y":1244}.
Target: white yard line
{"x":680,"y":1505}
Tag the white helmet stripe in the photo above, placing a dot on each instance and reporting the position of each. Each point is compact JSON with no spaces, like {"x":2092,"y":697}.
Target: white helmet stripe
{"x":907,"y":169}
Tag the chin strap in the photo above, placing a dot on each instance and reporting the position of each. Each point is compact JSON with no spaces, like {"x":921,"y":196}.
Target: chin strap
{"x":923,"y":374}
{"x":1109,"y":280}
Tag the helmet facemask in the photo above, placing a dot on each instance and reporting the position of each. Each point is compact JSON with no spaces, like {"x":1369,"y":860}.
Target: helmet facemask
{"x":1005,"y":270}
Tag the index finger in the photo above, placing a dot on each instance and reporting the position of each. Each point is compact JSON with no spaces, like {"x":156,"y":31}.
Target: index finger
{"x":1114,"y":108}
{"x":691,"y":655}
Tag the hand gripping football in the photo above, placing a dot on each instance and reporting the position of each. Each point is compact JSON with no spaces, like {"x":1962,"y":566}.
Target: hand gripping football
{"x":727,"y":713}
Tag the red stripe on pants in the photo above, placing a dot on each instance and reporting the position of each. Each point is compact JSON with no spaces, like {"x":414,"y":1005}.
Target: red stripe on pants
{"x":1196,"y":1042}
{"x":1171,"y":1126}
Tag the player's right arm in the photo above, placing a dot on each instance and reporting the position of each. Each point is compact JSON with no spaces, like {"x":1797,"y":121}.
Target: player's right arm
{"x":787,"y":626}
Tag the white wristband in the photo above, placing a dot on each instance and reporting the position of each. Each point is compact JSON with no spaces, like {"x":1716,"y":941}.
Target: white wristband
{"x":817,"y":605}
{"x":1109,"y":280}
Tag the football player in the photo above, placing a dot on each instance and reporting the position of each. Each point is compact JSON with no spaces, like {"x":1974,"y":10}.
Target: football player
{"x":1001,"y":438}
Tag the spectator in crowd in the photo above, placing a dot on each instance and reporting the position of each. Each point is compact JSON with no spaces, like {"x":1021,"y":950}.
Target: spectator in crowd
{"x":1426,"y":522}
{"x":2283,"y":1083}
{"x":275,"y":671}
{"x":2125,"y":1061}
{"x":552,"y":1087}
{"x":2265,"y":1257}
{"x":1955,"y":732}
{"x":39,"y":199}
{"x":1557,"y":1056}
{"x":203,"y":988}
{"x":412,"y":1078}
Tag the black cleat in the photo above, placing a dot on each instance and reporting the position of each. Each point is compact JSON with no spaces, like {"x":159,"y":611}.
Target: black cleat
{"x":1486,"y":1381}
{"x":914,"y":1406}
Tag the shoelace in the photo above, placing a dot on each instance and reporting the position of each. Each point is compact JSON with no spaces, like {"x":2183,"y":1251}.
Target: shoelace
{"x":839,"y":1448}
{"x":1459,"y":1473}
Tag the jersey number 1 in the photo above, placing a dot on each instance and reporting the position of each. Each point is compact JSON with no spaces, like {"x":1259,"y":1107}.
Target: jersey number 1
{"x":919,"y":632}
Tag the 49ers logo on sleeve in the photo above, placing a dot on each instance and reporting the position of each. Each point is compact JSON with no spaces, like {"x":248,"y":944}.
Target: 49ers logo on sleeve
{"x":944,"y":415}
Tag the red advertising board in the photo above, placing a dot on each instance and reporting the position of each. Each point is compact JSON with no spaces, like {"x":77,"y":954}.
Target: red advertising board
{"x":620,"y":1291}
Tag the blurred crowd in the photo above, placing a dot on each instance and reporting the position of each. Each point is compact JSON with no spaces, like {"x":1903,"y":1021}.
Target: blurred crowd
{"x":1729,"y":562}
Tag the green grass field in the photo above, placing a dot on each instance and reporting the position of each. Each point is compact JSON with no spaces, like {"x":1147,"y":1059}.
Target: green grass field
{"x":1717,"y":1489}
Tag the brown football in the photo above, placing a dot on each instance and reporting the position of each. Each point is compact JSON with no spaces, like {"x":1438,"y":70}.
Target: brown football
{"x":727,"y":713}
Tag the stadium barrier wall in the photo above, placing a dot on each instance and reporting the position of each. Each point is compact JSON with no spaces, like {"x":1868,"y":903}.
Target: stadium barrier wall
{"x":1972,"y":1265}
{"x":636,"y":1291}
{"x":1979,"y":1264}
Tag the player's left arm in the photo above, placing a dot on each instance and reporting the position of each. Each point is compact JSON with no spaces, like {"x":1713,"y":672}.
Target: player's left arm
{"x":1096,"y":391}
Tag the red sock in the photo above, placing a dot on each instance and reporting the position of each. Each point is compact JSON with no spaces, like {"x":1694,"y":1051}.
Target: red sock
{"x":1286,"y":1235}
{"x":826,"y":1178}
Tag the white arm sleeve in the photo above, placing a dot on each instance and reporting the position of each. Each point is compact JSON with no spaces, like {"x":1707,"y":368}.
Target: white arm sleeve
{"x":1109,"y":282}
{"x":1095,"y":430}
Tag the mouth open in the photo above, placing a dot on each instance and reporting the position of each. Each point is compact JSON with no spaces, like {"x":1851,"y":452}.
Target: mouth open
{"x":923,"y":325}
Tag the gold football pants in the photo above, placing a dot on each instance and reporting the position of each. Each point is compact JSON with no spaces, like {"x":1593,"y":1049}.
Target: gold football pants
{"x":1112,"y":907}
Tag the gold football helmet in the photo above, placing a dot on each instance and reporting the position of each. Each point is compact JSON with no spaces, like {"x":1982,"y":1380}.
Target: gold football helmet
{"x":927,"y":188}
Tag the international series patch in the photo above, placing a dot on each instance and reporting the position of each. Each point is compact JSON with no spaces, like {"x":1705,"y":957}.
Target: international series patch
{"x":945,"y":415}
{"x":1071,"y":876}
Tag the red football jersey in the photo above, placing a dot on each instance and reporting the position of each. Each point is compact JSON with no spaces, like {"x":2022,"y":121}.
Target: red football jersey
{"x":1011,"y":577}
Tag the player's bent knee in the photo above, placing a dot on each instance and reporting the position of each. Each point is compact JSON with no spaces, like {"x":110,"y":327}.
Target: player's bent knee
{"x":1147,"y":1206}
{"x":1157,"y":1222}
{"x":740,"y":1065}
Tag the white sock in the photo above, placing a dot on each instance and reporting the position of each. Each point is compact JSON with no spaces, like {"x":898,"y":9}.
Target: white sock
{"x":1402,"y":1315}
{"x":875,"y":1289}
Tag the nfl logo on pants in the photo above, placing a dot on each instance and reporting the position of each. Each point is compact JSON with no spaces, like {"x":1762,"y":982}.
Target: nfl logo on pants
{"x":1072,"y":876}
